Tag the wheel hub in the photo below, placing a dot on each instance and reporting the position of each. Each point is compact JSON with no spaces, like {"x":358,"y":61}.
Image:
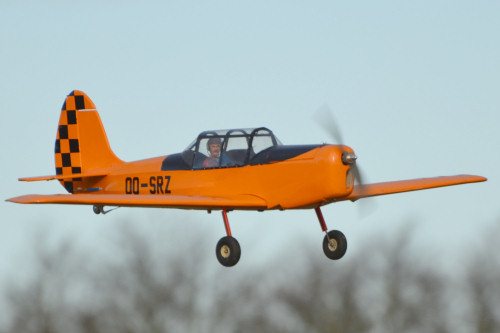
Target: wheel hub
{"x":332,"y":245}
{"x":225,"y":251}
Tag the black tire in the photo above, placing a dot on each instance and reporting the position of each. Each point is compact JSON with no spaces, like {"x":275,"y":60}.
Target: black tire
{"x":337,"y":247}
{"x":97,"y":209}
{"x":228,"y":251}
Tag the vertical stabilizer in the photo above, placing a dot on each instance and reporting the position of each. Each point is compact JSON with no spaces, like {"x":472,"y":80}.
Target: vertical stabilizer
{"x":81,"y":142}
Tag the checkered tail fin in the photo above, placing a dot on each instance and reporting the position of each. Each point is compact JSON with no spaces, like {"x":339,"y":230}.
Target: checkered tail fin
{"x":81,"y":143}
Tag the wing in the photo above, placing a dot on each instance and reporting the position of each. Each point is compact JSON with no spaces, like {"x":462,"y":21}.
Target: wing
{"x":371,"y":190}
{"x":159,"y":201}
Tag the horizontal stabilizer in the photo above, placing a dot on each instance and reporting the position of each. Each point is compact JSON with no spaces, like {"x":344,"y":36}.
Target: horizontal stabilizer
{"x":371,"y":190}
{"x":165,"y":201}
{"x":89,"y":174}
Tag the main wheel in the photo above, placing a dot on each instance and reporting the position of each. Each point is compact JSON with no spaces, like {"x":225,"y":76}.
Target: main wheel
{"x":228,"y":251}
{"x":336,"y":247}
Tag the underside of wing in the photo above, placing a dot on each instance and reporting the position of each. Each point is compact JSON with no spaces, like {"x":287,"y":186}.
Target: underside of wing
{"x":167,"y":201}
{"x":371,"y":190}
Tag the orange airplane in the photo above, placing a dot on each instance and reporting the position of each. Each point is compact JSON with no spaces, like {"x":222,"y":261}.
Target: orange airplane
{"x":235,"y":169}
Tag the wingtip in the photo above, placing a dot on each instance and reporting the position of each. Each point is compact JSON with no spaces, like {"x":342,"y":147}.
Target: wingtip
{"x":474,"y":178}
{"x":14,"y":200}
{"x":25,"y":199}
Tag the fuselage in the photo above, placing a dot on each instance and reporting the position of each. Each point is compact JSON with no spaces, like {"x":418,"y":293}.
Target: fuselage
{"x":314,"y":177}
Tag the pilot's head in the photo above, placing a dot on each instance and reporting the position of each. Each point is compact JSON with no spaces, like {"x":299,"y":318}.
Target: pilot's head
{"x":214,"y":147}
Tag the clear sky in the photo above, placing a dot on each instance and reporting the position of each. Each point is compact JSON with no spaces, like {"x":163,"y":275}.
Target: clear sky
{"x":414,"y":86}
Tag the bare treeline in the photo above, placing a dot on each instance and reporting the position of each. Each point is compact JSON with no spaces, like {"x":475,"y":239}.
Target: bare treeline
{"x":143,"y":285}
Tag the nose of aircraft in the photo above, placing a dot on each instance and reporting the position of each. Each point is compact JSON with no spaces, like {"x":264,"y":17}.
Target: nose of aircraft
{"x":350,"y":158}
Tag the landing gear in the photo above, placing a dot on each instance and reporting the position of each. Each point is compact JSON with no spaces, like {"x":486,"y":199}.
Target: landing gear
{"x":98,"y":209}
{"x":228,"y":250}
{"x":334,"y":243}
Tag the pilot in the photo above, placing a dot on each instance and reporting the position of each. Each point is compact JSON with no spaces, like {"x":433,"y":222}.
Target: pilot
{"x":216,"y":158}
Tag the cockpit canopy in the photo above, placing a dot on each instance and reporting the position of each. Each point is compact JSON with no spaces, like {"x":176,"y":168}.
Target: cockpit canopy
{"x":237,"y":147}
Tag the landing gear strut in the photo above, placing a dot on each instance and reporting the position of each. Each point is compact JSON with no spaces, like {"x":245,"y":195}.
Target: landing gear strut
{"x":334,"y":243}
{"x":228,"y":249}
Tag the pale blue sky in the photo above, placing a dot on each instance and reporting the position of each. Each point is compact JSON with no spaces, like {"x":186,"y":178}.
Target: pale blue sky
{"x":413,"y":84}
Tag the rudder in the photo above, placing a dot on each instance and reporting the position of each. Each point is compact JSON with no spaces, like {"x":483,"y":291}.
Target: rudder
{"x":81,"y":143}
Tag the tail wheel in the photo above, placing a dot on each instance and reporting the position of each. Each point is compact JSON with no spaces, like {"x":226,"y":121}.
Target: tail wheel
{"x":98,"y":209}
{"x":228,"y":251}
{"x":334,"y":244}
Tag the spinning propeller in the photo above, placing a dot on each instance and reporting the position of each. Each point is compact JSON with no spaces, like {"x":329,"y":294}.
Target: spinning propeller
{"x":325,"y":119}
